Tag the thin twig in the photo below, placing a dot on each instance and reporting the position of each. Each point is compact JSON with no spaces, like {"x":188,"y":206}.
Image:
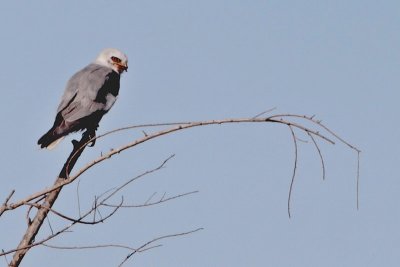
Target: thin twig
{"x":319,"y":123}
{"x":48,"y":222}
{"x":28,"y":219}
{"x":5,"y":256}
{"x":137,"y":177}
{"x":79,"y":220}
{"x":147,"y":204}
{"x":94,"y":208}
{"x":320,"y":155}
{"x":143,"y":247}
{"x":3,"y":207}
{"x":294,"y":169}
{"x":78,"y":198}
{"x":264,"y":112}
{"x":6,"y":200}
{"x":150,"y":198}
{"x":88,"y":247}
{"x":358,"y":177}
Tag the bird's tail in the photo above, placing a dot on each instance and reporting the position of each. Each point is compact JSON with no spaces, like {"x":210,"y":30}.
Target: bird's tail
{"x":49,"y":140}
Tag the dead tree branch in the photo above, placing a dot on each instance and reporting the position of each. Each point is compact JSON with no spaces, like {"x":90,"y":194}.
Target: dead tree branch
{"x":5,"y":203}
{"x":178,"y":126}
{"x":293,"y":121}
{"x":294,"y":168}
{"x":34,"y":226}
{"x":97,"y":203}
{"x":320,"y":155}
{"x":152,"y":203}
{"x":145,"y":246}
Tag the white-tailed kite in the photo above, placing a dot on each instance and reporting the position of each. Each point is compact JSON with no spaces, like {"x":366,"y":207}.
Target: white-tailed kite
{"x":89,"y":94}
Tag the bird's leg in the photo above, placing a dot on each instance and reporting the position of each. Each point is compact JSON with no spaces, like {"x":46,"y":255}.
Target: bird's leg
{"x":91,"y":134}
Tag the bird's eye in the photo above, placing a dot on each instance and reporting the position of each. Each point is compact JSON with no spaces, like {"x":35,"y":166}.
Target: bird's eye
{"x":116,"y":60}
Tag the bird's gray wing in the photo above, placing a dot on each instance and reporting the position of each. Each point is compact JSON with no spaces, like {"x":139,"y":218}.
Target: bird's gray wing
{"x":81,"y":93}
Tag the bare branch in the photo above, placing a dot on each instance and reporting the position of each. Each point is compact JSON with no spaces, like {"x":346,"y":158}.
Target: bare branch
{"x":9,"y":197}
{"x":294,"y":169}
{"x":264,"y":112}
{"x":78,"y":198}
{"x":319,"y":123}
{"x":4,"y":205}
{"x":150,"y":198}
{"x":5,"y":257}
{"x":144,"y":246}
{"x":73,"y":222}
{"x":33,"y":228}
{"x":88,"y":247}
{"x":147,"y":204}
{"x":177,"y":127}
{"x":48,"y":222}
{"x":293,"y":121}
{"x":79,"y":220}
{"x":320,"y":155}
{"x":358,"y":177}
{"x":136,"y":178}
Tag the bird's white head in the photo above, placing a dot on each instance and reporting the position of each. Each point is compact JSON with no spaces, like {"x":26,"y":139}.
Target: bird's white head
{"x":114,"y":59}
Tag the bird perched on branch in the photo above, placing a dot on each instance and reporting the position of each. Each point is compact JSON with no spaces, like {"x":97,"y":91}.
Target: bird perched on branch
{"x":89,"y":94}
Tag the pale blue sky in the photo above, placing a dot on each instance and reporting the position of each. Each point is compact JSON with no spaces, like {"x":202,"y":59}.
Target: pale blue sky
{"x":200,"y":60}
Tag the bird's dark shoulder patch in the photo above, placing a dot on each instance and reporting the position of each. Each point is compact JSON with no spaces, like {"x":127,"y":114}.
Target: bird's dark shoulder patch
{"x":110,"y":86}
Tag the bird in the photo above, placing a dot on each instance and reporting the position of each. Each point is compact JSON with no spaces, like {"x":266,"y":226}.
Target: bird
{"x":88,"y":96}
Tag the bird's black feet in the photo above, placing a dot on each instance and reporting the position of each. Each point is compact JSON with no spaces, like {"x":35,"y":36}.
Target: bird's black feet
{"x":91,"y":135}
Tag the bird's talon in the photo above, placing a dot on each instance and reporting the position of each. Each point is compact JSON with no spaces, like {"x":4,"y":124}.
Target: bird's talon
{"x":92,"y":143}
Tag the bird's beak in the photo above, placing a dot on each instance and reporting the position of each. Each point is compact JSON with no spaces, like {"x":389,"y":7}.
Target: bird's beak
{"x":122,"y":67}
